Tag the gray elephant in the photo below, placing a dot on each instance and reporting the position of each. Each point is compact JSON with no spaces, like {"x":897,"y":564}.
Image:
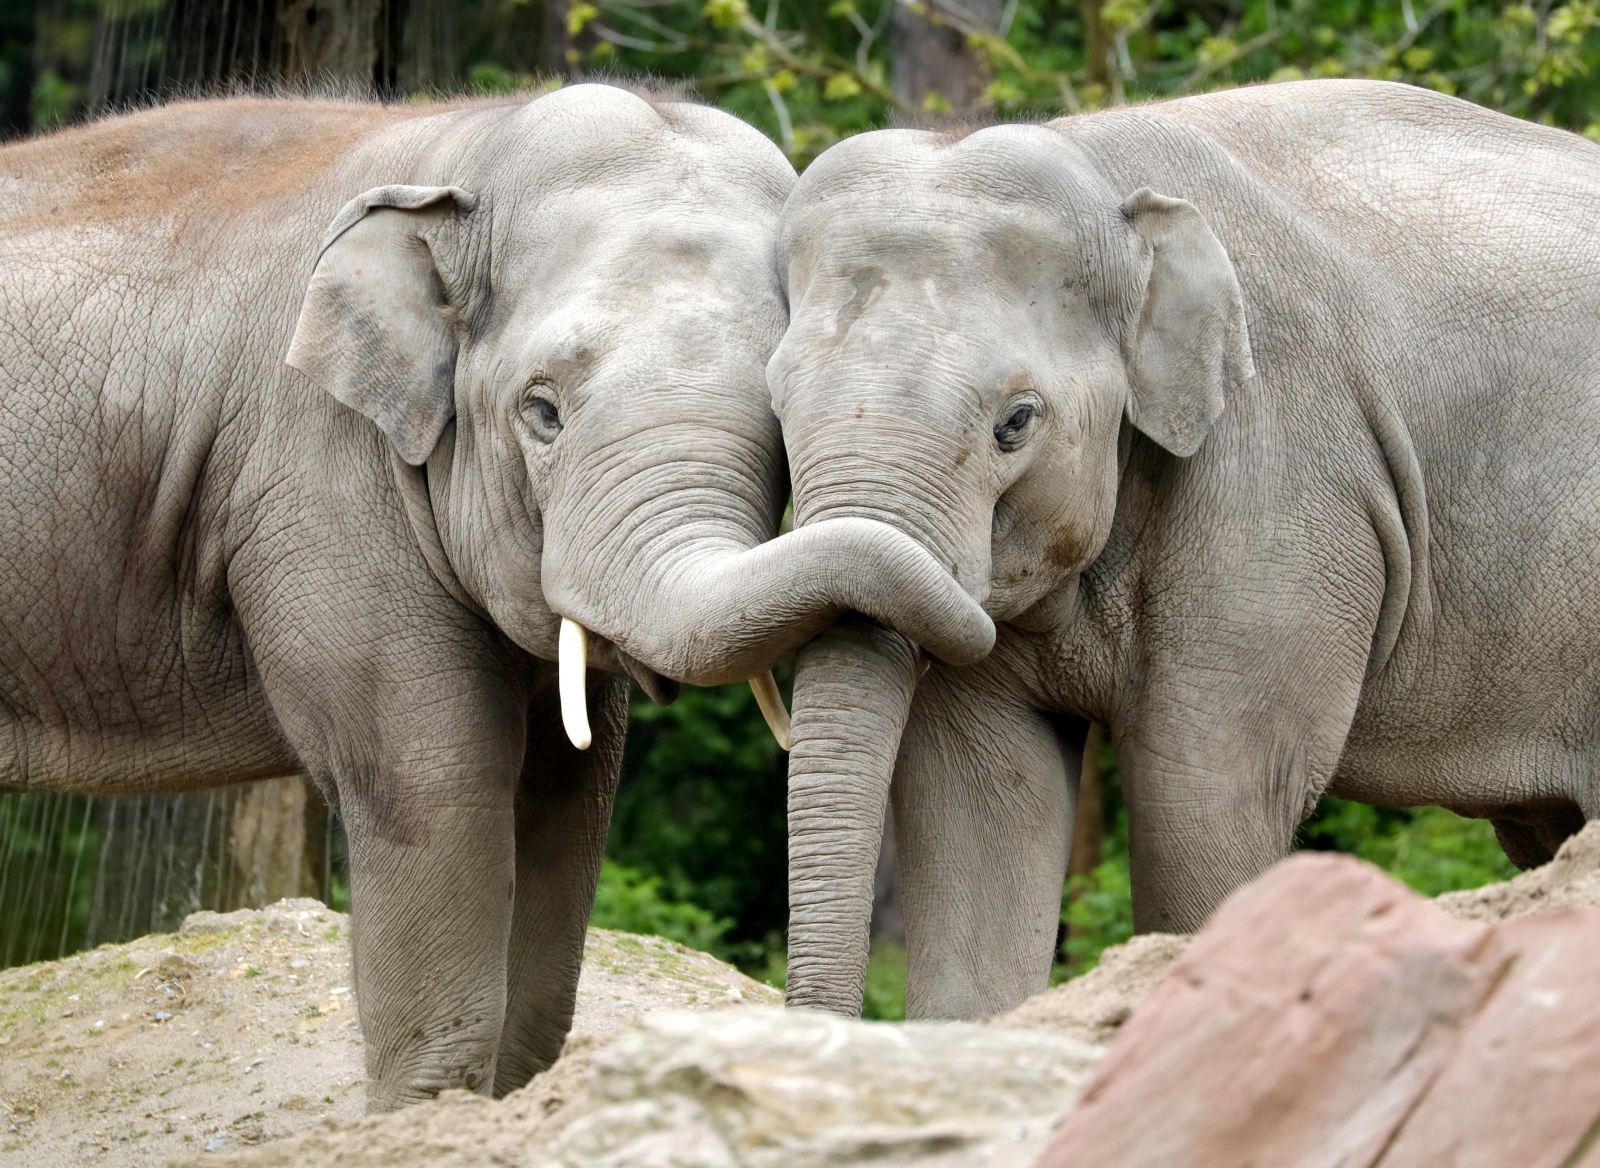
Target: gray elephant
{"x":1266,"y":424}
{"x":526,"y":386}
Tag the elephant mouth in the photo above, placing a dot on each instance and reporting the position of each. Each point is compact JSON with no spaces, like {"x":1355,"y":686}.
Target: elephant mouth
{"x":603,"y":653}
{"x":579,"y":650}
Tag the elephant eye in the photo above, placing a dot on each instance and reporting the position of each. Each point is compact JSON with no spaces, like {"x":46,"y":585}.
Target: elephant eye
{"x":1010,"y":432}
{"x":543,"y":418}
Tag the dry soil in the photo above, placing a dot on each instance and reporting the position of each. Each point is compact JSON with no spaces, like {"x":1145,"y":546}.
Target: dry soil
{"x":242,"y":1028}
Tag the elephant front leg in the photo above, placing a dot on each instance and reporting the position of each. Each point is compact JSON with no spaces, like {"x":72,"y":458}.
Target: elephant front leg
{"x":983,"y":793}
{"x":1213,"y":803}
{"x":432,"y":871}
{"x":563,"y":814}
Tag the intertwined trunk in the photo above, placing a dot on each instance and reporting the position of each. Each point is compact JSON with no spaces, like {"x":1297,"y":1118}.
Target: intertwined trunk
{"x":852,"y":693}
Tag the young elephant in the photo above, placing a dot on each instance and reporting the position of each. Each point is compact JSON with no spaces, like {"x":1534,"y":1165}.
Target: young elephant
{"x":1265,"y":423}
{"x":526,"y":385}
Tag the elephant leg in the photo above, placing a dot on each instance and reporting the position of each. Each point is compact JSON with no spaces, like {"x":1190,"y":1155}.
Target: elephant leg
{"x":1531,"y":836}
{"x":563,"y":814}
{"x":421,"y":737}
{"x":1212,"y":804}
{"x":431,"y":878}
{"x":983,"y":792}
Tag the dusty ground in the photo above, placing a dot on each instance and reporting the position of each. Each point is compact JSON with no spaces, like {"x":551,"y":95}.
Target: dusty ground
{"x":1094,"y":1007}
{"x":241,"y":1028}
{"x":756,"y":1087}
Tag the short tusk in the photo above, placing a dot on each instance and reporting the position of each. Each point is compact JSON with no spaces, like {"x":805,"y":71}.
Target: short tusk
{"x":573,"y":657}
{"x":771,"y":703}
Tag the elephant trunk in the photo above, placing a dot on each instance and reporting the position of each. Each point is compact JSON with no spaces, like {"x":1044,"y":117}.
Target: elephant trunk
{"x":852,"y":694}
{"x":709,"y":613}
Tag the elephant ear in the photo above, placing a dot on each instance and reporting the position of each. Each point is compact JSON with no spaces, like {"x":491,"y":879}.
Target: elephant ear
{"x":377,"y":327}
{"x":1189,"y":347}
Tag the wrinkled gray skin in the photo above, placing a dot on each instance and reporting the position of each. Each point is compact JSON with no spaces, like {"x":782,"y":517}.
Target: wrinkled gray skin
{"x":1308,"y":499}
{"x":220,"y":567}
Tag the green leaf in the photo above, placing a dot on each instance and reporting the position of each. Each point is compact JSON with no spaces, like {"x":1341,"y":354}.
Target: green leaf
{"x":841,"y":86}
{"x":726,"y":13}
{"x":578,"y":16}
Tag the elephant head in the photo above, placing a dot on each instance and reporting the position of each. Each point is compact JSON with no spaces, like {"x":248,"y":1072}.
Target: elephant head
{"x":974,"y":320}
{"x":559,"y":320}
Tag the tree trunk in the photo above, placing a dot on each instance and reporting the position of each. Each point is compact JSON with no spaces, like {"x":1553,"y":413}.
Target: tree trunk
{"x":322,"y":40}
{"x":934,"y":69}
{"x":1089,"y":820}
{"x":557,"y":55}
{"x":1096,"y":43}
{"x":279,"y":837}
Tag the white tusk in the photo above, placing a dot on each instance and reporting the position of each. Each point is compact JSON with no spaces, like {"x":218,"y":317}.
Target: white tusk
{"x":771,"y":703}
{"x":573,"y":661}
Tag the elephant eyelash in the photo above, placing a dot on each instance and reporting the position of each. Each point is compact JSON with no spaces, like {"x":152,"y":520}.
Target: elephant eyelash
{"x":540,"y":411}
{"x":1008,"y":434}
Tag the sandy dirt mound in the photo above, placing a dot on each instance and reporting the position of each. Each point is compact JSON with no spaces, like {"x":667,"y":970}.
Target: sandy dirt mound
{"x":1571,"y":880}
{"x":1093,"y":1007}
{"x":241,"y":1028}
{"x":744,"y":1088}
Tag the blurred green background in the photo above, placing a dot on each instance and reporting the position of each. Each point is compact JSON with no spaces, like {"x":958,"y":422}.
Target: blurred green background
{"x":697,"y":851}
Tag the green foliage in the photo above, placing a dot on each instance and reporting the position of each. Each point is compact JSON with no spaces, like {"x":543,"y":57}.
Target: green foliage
{"x":702,"y":809}
{"x":1097,"y":912}
{"x":632,"y":902}
{"x":809,"y":72}
{"x":1097,"y":909}
{"x":49,"y":845}
{"x":885,"y":997}
{"x":1429,"y":848}
{"x":55,"y":101}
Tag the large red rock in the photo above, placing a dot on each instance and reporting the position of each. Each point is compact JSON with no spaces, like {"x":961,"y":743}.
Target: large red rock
{"x":1327,"y":1017}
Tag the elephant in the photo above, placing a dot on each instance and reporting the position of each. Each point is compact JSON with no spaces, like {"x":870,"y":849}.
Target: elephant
{"x":333,"y":430}
{"x":1265,"y":425}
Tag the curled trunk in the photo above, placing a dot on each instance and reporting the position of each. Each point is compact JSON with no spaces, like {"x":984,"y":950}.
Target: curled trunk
{"x":715,"y":614}
{"x":852,"y":694}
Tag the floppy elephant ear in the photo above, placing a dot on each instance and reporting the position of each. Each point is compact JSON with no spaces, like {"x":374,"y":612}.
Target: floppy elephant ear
{"x":1189,"y":347}
{"x":377,"y":329}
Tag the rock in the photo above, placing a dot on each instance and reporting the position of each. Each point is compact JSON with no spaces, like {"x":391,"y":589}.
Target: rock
{"x":1093,"y":1007}
{"x":172,"y":966}
{"x":207,"y":923}
{"x":1571,"y":880}
{"x":1328,"y":1016}
{"x":742,"y":1088}
{"x":626,"y":976}
{"x":298,"y":916}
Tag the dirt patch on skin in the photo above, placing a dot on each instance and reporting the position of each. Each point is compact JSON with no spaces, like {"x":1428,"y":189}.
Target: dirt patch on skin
{"x":241,"y":1028}
{"x":1571,"y":880}
{"x":1093,"y":1007}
